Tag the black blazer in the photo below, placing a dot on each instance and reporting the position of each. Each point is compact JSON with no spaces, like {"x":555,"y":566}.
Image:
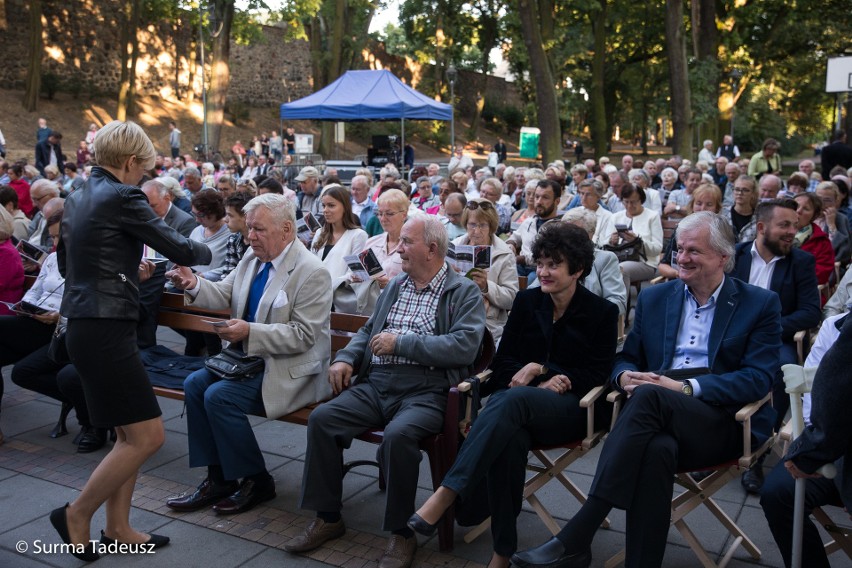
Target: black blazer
{"x":580,"y":345}
{"x":103,"y":229}
{"x":42,"y":156}
{"x":794,"y":280}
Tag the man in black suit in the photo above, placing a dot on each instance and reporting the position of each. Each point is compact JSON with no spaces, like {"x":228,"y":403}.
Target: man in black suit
{"x":726,"y":335}
{"x":838,"y":153}
{"x":771,"y":262}
{"x":150,"y":291}
{"x":49,"y":152}
{"x":500,"y":150}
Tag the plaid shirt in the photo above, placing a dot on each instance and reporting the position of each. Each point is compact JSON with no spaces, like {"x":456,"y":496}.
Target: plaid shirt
{"x":235,"y":248}
{"x":413,"y":312}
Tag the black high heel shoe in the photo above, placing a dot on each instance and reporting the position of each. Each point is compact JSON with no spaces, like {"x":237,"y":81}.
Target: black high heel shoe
{"x":59,"y":520}
{"x":61,"y":429}
{"x":420,"y":526}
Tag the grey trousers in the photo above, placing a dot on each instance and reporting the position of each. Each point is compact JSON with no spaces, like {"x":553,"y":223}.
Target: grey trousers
{"x":409,"y":403}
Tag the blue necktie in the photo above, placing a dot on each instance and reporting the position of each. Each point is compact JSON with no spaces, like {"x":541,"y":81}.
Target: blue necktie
{"x":256,"y":292}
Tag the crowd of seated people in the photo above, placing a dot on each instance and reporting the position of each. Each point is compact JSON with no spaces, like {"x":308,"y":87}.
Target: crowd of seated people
{"x":600,"y":206}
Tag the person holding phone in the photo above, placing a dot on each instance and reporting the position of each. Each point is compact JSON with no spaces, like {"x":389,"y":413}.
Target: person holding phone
{"x":637,"y":221}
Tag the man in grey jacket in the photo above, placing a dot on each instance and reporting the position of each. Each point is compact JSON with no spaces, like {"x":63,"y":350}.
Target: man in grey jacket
{"x":395,"y":373}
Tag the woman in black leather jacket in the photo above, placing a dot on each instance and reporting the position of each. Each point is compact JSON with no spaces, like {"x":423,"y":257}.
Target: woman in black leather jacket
{"x":103,"y":231}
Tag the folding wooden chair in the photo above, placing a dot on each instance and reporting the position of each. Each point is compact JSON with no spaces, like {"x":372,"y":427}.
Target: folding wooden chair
{"x":698,"y":493}
{"x":553,"y":461}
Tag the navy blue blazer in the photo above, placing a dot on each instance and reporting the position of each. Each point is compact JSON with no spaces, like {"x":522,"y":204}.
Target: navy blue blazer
{"x":743,"y":352}
{"x":794,"y":280}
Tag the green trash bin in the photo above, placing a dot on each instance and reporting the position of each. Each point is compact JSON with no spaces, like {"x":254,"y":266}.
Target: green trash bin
{"x":529,"y":142}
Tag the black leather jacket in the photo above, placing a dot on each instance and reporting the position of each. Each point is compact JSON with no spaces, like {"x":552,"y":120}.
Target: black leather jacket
{"x":103,"y":229}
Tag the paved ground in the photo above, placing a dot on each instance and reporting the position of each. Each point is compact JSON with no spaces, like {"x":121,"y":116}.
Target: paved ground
{"x":38,"y":473}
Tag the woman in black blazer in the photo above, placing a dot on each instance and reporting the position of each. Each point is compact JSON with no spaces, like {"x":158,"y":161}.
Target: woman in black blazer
{"x":103,"y":231}
{"x":558,"y":344}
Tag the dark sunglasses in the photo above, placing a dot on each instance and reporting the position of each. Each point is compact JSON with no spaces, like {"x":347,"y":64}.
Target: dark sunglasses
{"x":474,"y":205}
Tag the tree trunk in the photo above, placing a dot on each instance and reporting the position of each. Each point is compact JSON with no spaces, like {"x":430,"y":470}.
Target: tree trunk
{"x":707,"y":49}
{"x":545,"y":90}
{"x":679,"y":79}
{"x":597,"y":116}
{"x":220,"y":76}
{"x":334,"y":69}
{"x":36,"y":53}
{"x":129,"y":56}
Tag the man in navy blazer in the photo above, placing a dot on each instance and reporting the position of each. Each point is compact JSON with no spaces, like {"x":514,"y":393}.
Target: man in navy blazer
{"x":729,"y":334}
{"x":771,"y":262}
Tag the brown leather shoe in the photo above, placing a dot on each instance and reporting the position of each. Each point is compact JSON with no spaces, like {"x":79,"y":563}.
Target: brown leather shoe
{"x":399,"y":552}
{"x":318,"y":533}
{"x":207,"y":494}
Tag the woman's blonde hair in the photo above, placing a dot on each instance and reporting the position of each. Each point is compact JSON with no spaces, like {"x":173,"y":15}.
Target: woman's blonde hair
{"x":117,"y":141}
{"x":485,"y":210}
{"x":395,"y":198}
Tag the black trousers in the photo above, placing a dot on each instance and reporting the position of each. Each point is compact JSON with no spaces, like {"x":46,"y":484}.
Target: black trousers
{"x":777,"y":498}
{"x":497,"y":447}
{"x":37,"y":372}
{"x":20,"y":336}
{"x":659,"y":433}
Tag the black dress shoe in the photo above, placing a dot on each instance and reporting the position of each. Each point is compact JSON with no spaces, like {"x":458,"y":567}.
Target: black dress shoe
{"x":207,"y":494}
{"x":157,"y":540}
{"x":92,"y":440}
{"x":752,"y":479}
{"x":59,"y":520}
{"x":551,"y":554}
{"x":250,"y":494}
{"x":420,"y":526}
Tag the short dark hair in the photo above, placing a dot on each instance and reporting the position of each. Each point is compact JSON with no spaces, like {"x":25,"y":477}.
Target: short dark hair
{"x":272,"y":185}
{"x":629,"y":189}
{"x":553,"y":185}
{"x":566,"y":242}
{"x":766,"y":209}
{"x":237,"y":201}
{"x":209,"y":202}
{"x":8,"y":195}
{"x":70,"y":166}
{"x":56,"y":134}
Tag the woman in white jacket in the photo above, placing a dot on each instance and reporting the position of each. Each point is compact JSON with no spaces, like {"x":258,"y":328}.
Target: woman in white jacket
{"x":638,"y":221}
{"x":340,"y":237}
{"x":499,"y":284}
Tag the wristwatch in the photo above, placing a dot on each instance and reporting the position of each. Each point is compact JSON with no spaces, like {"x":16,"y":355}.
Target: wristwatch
{"x":686,"y":388}
{"x":543,"y":370}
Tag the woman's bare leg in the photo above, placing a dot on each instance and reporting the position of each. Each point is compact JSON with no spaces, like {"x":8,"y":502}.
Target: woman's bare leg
{"x":113,"y":481}
{"x":436,"y":505}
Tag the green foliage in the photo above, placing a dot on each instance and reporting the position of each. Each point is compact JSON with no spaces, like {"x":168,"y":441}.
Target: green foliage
{"x":239,"y":112}
{"x":50,"y":84}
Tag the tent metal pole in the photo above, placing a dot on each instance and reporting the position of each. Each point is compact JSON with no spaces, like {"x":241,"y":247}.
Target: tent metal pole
{"x":402,"y":145}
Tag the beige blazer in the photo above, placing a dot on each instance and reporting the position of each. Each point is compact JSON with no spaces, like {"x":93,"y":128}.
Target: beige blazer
{"x":291,"y":331}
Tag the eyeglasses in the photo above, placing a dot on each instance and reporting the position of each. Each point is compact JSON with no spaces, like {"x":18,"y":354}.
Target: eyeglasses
{"x":477,"y":226}
{"x":741,"y":190}
{"x":388,"y":214}
{"x":199,"y":215}
{"x":474,"y":205}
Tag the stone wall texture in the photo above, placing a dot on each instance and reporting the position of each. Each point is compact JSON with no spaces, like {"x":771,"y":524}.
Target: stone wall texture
{"x":82,"y":48}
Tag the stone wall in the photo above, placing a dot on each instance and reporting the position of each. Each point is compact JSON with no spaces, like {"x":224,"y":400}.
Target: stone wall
{"x":82,"y":48}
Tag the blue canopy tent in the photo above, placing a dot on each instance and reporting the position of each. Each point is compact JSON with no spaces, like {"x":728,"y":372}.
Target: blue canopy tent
{"x":359,"y":96}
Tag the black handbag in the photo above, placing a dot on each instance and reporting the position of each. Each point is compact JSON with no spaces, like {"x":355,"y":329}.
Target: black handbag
{"x":234,"y":365}
{"x":632,"y":250}
{"x":57,"y":351}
